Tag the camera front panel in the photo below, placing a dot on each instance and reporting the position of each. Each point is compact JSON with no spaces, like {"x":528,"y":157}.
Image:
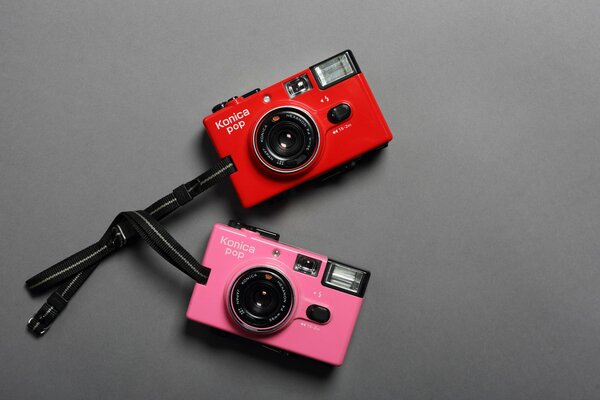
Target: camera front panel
{"x":322,"y":317}
{"x":337,"y":121}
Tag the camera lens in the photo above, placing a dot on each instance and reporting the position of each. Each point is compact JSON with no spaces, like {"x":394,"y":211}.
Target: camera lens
{"x":286,"y":140}
{"x":261,"y":299}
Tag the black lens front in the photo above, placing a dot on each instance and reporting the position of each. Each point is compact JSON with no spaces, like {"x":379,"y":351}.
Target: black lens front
{"x":261,"y":299}
{"x":286,"y":139}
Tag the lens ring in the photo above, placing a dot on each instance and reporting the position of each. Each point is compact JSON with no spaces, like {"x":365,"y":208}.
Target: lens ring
{"x":261,"y":299}
{"x":286,"y":140}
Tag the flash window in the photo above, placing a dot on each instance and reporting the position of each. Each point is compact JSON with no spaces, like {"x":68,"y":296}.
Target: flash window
{"x":335,"y":69}
{"x":345,"y":278}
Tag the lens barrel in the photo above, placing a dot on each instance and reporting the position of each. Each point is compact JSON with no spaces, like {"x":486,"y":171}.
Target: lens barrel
{"x":286,"y":140}
{"x":261,"y":299}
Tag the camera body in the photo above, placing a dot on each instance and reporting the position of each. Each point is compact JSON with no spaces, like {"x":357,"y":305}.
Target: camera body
{"x":316,"y":121}
{"x":281,"y":296}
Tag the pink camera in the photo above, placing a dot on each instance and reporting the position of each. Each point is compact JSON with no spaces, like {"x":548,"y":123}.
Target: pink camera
{"x":281,"y":296}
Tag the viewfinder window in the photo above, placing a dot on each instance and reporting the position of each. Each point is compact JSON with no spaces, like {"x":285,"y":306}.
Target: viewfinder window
{"x":298,"y":86}
{"x":307,"y":265}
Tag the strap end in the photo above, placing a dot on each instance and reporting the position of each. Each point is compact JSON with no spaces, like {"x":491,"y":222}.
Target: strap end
{"x":39,"y":324}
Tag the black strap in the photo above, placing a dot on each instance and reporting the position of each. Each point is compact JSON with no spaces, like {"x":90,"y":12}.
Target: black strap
{"x":73,"y":271}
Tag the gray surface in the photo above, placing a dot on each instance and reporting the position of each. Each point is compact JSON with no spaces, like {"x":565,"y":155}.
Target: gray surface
{"x":480,"y":222}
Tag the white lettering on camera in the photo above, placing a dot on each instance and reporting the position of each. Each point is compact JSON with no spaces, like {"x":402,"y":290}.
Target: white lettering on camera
{"x":235,"y":248}
{"x":233,"y":122}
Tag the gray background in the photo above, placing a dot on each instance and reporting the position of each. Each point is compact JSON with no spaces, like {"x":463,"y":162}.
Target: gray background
{"x":480,"y":222}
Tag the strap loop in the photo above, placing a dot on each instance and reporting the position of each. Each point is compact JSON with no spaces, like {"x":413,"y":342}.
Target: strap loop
{"x":182,"y":195}
{"x":57,"y":301}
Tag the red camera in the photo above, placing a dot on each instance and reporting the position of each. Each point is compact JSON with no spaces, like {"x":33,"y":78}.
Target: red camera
{"x":317,"y":121}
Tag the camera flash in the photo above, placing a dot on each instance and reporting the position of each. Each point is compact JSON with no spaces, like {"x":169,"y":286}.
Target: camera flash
{"x":334,"y":70}
{"x":345,"y":278}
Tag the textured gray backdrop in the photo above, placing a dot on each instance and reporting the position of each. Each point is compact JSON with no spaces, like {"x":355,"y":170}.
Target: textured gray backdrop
{"x":480,"y":222}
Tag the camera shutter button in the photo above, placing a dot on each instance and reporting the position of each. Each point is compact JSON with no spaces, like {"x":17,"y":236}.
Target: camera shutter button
{"x":338,"y":113}
{"x":318,"y":313}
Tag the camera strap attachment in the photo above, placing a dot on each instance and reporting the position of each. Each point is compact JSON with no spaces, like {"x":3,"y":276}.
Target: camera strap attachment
{"x":73,"y":271}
